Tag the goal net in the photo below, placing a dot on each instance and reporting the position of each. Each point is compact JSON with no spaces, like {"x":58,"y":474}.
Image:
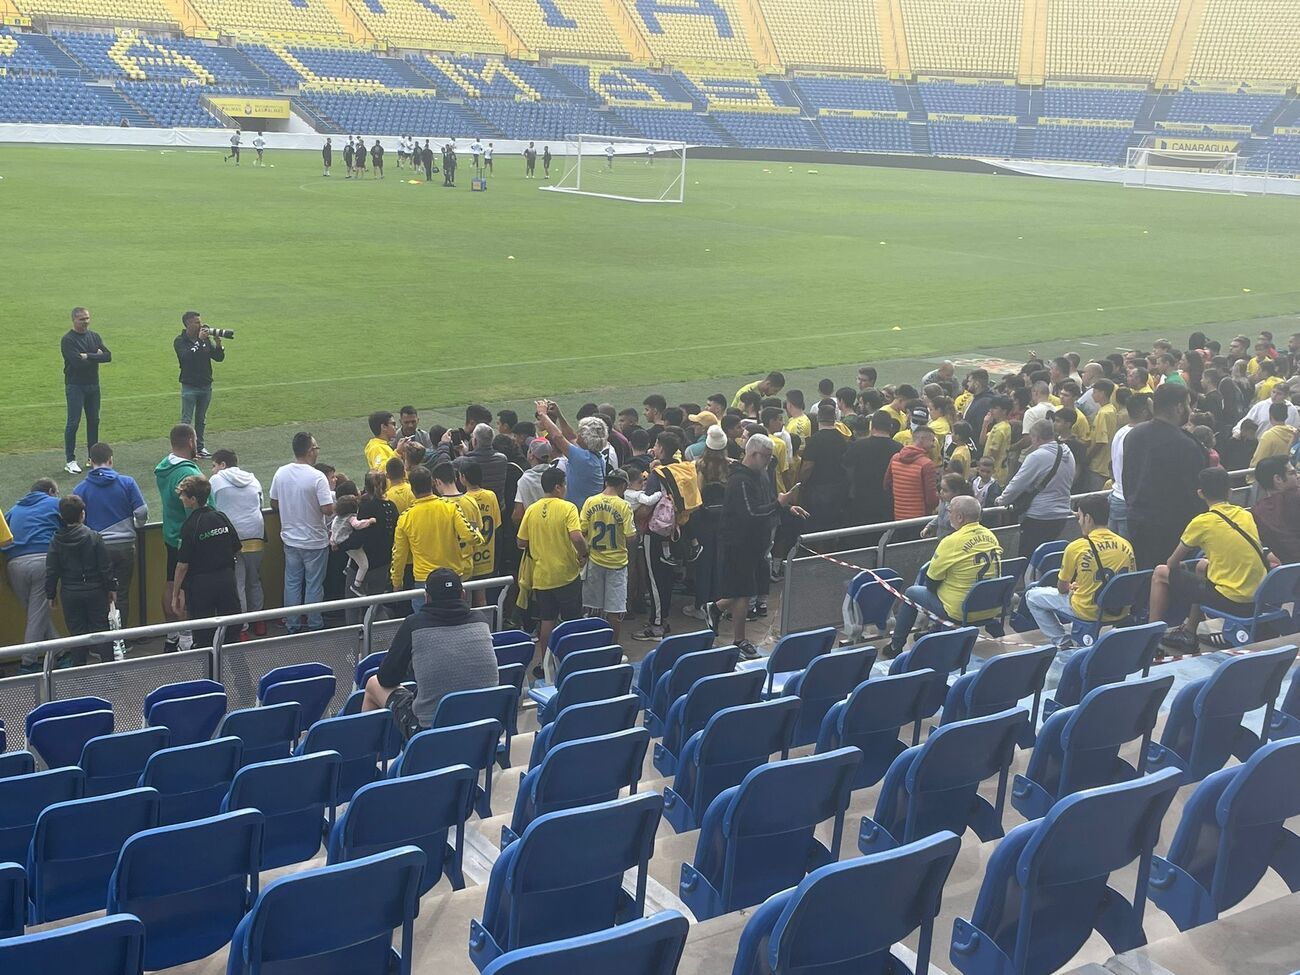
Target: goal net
{"x":619,"y":168}
{"x":1204,"y":171}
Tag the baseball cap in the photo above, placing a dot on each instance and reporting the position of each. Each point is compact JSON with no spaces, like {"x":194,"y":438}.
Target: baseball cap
{"x":541,"y":449}
{"x":715,"y":439}
{"x":443,"y":584}
{"x":704,"y":418}
{"x":919,"y":415}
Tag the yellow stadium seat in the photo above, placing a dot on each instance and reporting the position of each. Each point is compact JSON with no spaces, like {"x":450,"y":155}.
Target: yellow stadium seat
{"x":844,"y":34}
{"x":1248,"y":40}
{"x":101,"y":11}
{"x":970,"y":37}
{"x":409,"y":23}
{"x":280,"y":17}
{"x":1108,"y":39}
{"x":586,"y":31}
{"x":678,"y":37}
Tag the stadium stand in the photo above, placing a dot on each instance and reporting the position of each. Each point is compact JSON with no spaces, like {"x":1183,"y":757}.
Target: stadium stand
{"x":1074,"y":141}
{"x":619,"y":84}
{"x":580,"y":29}
{"x":472,"y":76}
{"x":859,"y":134}
{"x":344,"y":67}
{"x":844,"y":34}
{"x":667,"y":123}
{"x":544,"y":120}
{"x":703,"y":30}
{"x":846,"y":91}
{"x":448,"y":25}
{"x":303,"y":18}
{"x":1230,"y":46}
{"x":1112,"y":40}
{"x":154,"y":13}
{"x":778,"y":131}
{"x":976,"y":37}
{"x":271,"y":64}
{"x":56,"y":100}
{"x":395,"y":113}
{"x":1092,"y":103}
{"x":970,"y":138}
{"x":1279,"y":154}
{"x":22,"y":53}
{"x":1214,"y":108}
{"x":968,"y":99}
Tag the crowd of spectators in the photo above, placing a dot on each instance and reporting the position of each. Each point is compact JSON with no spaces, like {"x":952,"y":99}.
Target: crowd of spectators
{"x":617,"y":512}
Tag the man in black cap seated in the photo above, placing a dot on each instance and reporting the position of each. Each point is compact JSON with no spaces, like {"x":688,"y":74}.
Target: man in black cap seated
{"x":444,"y":648}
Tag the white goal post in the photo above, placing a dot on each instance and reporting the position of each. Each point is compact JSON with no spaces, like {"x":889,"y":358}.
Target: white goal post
{"x":621,"y":168}
{"x":1199,"y":170}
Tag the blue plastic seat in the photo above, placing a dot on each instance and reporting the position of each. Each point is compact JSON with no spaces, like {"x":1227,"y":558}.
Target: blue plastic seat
{"x":681,"y":677}
{"x":585,"y":721}
{"x":13,"y":899}
{"x":296,"y":795}
{"x":759,"y":837}
{"x":846,"y":917}
{"x":465,"y":707}
{"x":793,"y":653}
{"x":874,"y":602}
{"x":942,"y":651}
{"x":513,"y":647}
{"x":1047,"y":557}
{"x":828,"y":680}
{"x":650,"y":946}
{"x":58,"y":730}
{"x":190,"y":884}
{"x":1115,"y":657}
{"x":1046,"y":887}
{"x":586,"y":686}
{"x":567,"y":628}
{"x":1286,"y":719}
{"x":414,"y":810}
{"x":989,"y":595}
{"x":473,"y":744}
{"x":1204,"y":728}
{"x":935,"y":785}
{"x":691,"y":712}
{"x":114,"y":763}
{"x":17,"y":763}
{"x":361,"y":741}
{"x":579,"y":773}
{"x":1271,"y":617}
{"x":1078,"y":747}
{"x":872,"y":718}
{"x":595,"y":658}
{"x":190,"y":710}
{"x":595,"y":634}
{"x":267,"y":734}
{"x":105,"y":946}
{"x":564,"y":876}
{"x":366,"y":668}
{"x":1124,"y":595}
{"x":666,"y":652}
{"x":75,"y":847}
{"x":1233,"y":830}
{"x":192,"y":780}
{"x":734,"y":742}
{"x":311,"y":685}
{"x":513,"y":676}
{"x":21,"y":800}
{"x":334,"y":920}
{"x":1003,"y":682}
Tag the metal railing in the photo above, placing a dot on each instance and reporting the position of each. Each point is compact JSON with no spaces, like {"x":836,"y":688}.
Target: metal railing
{"x":238,"y":664}
{"x":813,"y":587}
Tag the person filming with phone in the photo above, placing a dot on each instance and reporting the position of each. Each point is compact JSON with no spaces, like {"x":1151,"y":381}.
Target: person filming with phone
{"x":197,"y":347}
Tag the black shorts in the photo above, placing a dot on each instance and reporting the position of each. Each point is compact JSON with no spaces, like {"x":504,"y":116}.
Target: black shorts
{"x":564,"y":603}
{"x":1189,"y":588}
{"x":173,"y":557}
{"x":743,"y":572}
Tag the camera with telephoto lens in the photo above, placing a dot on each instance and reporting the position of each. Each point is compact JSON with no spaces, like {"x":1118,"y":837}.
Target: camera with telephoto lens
{"x":220,"y":333}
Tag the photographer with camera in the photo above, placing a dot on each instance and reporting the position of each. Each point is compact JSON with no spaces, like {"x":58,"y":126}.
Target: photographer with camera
{"x":197,"y":347}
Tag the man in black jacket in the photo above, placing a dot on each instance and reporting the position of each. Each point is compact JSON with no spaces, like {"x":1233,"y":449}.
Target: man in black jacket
{"x":83,"y":351}
{"x":1161,"y":464}
{"x":78,"y":561}
{"x":205,"y":564}
{"x":749,"y":510}
{"x":195,"y":352}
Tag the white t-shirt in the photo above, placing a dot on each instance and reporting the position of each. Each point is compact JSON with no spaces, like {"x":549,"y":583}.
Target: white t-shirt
{"x":234,"y":139}
{"x":300,"y":491}
{"x":609,"y":150}
{"x":259,"y":142}
{"x":487,"y":153}
{"x":476,"y":149}
{"x":1036,"y":413}
{"x":1117,"y":459}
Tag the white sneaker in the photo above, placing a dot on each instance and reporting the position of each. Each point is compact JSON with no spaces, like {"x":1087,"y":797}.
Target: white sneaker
{"x":72,"y":467}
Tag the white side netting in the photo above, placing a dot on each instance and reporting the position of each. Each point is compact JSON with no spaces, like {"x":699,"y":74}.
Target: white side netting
{"x":1200,"y":171}
{"x":618,"y":168}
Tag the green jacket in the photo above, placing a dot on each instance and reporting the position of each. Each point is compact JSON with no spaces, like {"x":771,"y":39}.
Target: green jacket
{"x":169,"y":473}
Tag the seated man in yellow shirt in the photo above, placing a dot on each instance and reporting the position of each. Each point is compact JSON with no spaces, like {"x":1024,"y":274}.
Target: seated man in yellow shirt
{"x":1230,"y":570}
{"x":970,"y":554}
{"x":383,"y":428}
{"x":1087,"y":565}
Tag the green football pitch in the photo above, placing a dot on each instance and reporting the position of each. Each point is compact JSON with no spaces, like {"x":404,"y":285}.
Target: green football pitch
{"x":350,"y":296}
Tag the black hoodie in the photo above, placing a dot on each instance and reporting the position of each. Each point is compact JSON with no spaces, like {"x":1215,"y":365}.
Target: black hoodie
{"x":78,"y":560}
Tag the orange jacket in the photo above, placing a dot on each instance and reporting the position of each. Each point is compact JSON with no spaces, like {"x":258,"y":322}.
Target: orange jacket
{"x":913,"y":479}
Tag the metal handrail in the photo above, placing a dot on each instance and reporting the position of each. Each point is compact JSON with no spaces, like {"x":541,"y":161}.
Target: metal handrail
{"x":220,"y":623}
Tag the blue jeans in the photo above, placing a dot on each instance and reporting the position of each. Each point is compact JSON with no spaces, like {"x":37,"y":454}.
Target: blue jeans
{"x":194,"y":408}
{"x":80,"y":398}
{"x":1118,"y":522}
{"x":304,"y":582}
{"x":905,"y":615}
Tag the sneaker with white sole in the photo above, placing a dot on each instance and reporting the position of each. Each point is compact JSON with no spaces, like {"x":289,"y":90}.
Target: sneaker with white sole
{"x":747,"y":650}
{"x":713,"y":616}
{"x":72,"y":467}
